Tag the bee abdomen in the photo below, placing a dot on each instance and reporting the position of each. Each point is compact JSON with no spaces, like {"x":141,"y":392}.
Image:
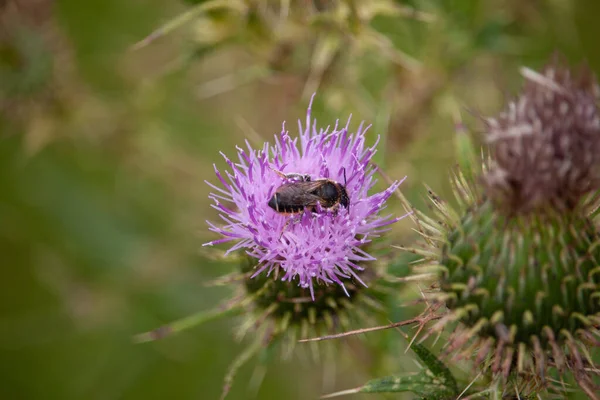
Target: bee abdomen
{"x":279,"y":205}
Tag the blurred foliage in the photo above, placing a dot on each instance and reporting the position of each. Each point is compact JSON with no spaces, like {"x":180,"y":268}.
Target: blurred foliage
{"x":104,"y":147}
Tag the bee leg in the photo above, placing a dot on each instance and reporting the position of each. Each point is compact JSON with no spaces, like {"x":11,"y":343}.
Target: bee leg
{"x":285,"y":227}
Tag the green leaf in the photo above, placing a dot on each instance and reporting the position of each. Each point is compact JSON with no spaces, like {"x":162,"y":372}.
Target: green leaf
{"x":433,"y":382}
{"x":423,"y":384}
{"x":437,"y":368}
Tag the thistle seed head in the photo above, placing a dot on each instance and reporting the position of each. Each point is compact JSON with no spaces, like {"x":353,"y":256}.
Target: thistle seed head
{"x":546,"y":144}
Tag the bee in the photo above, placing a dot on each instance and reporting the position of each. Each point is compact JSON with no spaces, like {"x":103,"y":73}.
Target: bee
{"x":304,"y":193}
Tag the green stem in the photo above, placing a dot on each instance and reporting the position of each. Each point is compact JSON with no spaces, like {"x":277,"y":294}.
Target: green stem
{"x":186,"y":323}
{"x":184,"y":18}
{"x":239,"y":361}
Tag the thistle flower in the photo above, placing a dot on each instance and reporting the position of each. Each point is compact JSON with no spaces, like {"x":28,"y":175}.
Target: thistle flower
{"x":518,"y":263}
{"x":307,"y":273}
{"x":323,"y":247}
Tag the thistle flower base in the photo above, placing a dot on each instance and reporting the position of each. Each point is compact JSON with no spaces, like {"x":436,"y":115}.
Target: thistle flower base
{"x":526,"y":287}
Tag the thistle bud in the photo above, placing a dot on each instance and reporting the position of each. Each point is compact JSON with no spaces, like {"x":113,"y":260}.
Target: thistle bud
{"x":519,"y":261}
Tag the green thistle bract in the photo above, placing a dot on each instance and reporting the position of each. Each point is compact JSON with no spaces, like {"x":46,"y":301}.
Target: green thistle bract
{"x":276,"y":314}
{"x":528,"y":282}
{"x":518,"y":262}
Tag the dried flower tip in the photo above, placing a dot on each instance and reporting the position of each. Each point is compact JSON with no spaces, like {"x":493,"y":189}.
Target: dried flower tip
{"x":546,"y":144}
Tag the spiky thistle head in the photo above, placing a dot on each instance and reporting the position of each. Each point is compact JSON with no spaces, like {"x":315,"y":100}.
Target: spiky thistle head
{"x":518,"y":263}
{"x":304,"y":274}
{"x":310,"y":270}
{"x":313,"y":245}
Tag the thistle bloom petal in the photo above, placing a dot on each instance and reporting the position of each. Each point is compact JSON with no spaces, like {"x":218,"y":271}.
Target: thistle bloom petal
{"x":322,"y":246}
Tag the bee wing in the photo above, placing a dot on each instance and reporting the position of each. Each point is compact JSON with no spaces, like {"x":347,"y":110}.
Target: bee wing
{"x":309,"y":187}
{"x":294,"y":197}
{"x":300,"y":194}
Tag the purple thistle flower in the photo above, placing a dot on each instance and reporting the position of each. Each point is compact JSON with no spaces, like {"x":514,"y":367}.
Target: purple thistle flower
{"x":324,"y":246}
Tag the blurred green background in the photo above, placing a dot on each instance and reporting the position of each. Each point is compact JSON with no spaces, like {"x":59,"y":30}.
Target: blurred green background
{"x":104,"y":150}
